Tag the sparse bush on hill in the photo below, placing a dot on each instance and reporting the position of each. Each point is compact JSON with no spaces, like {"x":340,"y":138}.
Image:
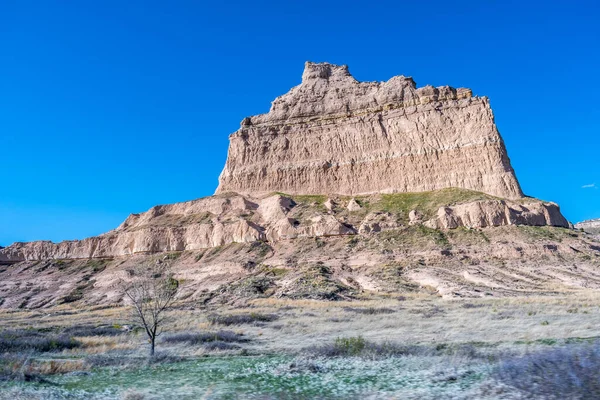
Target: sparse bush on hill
{"x":250,"y":287}
{"x":315,"y":281}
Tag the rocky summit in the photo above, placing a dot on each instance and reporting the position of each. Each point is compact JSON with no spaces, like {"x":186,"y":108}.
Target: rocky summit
{"x":335,"y":135}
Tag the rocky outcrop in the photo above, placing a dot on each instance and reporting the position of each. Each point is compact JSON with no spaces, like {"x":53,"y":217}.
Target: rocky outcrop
{"x":490,"y":213}
{"x":232,"y":218}
{"x":333,"y":134}
{"x":199,"y":224}
{"x":590,"y":226}
{"x":377,"y":222}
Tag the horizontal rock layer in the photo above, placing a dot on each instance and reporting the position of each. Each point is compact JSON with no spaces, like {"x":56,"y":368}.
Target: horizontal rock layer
{"x":591,"y":226}
{"x":333,"y":134}
{"x":223,"y":219}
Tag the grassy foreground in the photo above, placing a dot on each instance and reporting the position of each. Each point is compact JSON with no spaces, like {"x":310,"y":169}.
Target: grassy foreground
{"x":419,"y":347}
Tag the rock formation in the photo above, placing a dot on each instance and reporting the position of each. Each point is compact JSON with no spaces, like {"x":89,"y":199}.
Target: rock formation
{"x":232,"y":218}
{"x":378,"y":177}
{"x":590,"y":226}
{"x":489,"y":213}
{"x":334,"y":135}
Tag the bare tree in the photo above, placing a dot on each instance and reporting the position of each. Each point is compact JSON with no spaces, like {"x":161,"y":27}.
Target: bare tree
{"x":151,"y":291}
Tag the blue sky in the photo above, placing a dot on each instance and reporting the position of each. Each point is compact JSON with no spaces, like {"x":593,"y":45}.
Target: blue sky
{"x":109,"y":108}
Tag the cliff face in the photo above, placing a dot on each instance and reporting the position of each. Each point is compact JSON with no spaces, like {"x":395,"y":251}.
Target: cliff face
{"x":333,"y":134}
{"x":232,"y":218}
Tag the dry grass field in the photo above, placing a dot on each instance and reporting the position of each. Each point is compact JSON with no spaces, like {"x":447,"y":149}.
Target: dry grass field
{"x":305,"y":348}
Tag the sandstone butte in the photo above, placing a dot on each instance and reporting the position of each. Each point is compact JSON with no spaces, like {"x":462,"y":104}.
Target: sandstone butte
{"x":334,"y":134}
{"x":352,"y":143}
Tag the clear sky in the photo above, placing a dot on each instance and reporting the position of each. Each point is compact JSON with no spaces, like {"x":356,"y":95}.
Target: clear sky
{"x":111,"y":107}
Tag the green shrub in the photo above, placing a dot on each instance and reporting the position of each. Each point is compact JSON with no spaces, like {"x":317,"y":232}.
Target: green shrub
{"x":238,"y":319}
{"x":351,"y":346}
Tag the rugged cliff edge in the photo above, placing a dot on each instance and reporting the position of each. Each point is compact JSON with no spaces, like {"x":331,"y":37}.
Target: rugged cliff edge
{"x":333,"y":134}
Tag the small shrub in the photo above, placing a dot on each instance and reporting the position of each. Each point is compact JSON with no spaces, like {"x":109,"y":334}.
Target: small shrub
{"x":262,"y":249}
{"x":97,"y":266}
{"x":334,"y":319}
{"x":238,"y":319}
{"x":161,"y":357}
{"x":353,"y":242}
{"x":126,"y":360}
{"x":358,"y":346}
{"x":90,"y":330}
{"x":14,"y":341}
{"x":116,"y":358}
{"x":194,"y":338}
{"x":429,"y":312}
{"x":370,"y":310}
{"x":16,"y":367}
{"x":350,"y":346}
{"x":219,"y":345}
{"x":77,"y":293}
{"x":471,"y":305}
{"x":249,"y":287}
{"x":172,"y":256}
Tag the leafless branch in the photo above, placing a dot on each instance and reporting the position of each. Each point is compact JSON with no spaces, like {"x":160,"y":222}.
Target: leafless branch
{"x":151,"y":292}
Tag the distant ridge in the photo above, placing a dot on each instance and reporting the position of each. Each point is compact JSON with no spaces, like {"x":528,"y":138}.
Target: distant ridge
{"x":590,"y":226}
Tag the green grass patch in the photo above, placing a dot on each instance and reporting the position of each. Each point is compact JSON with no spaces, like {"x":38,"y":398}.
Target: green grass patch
{"x":173,"y":255}
{"x":545,"y":232}
{"x":427,"y":202}
{"x":417,"y":236}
